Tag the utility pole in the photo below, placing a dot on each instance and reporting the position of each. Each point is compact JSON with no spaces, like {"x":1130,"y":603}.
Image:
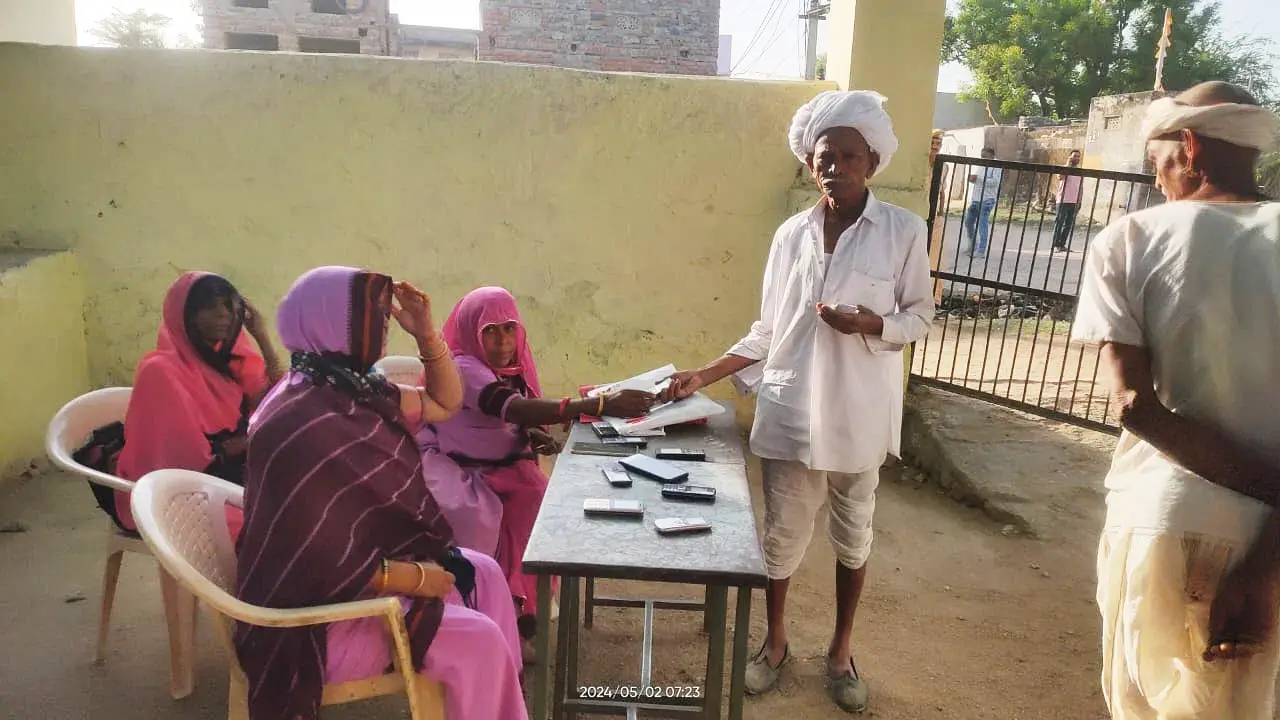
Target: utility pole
{"x":817,"y":11}
{"x":1162,"y":48}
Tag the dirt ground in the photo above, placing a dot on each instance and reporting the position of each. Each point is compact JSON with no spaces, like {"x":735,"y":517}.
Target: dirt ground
{"x":958,"y":621}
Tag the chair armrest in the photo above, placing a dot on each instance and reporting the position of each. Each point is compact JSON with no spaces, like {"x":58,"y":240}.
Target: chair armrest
{"x":317,"y":615}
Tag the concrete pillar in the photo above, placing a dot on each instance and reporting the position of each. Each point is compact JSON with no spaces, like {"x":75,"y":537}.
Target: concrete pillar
{"x":893,"y":47}
{"x":45,"y":22}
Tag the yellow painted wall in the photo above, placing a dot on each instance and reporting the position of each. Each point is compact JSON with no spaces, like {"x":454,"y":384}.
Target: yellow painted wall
{"x":50,"y":22}
{"x":43,"y":363}
{"x":630,"y":214}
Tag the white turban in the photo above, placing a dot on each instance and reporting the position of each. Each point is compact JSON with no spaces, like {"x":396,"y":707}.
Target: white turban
{"x":1248,"y":126}
{"x":862,"y":110}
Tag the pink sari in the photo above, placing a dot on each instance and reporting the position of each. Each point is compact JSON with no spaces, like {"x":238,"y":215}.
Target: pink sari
{"x":480,"y":467}
{"x":179,"y":400}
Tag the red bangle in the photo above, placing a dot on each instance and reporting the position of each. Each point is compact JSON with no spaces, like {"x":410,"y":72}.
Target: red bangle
{"x":564,"y":407}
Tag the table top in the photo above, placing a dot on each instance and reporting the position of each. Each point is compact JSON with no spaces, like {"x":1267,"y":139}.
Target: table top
{"x":565,"y":541}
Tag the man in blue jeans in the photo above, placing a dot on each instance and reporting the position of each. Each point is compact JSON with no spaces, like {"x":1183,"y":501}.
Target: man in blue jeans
{"x":984,"y":190}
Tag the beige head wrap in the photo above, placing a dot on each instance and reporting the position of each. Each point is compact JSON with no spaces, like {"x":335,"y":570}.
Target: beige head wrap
{"x":1248,"y":126}
{"x":862,"y":110}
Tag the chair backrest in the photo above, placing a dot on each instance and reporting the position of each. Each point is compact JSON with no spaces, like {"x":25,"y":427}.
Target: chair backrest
{"x":75,"y":423}
{"x":401,"y":369}
{"x":181,"y":516}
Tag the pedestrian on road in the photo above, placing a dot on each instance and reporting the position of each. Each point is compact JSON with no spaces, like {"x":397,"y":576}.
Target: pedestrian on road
{"x":1068,"y":202}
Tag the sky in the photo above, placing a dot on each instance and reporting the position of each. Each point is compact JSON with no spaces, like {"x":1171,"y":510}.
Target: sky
{"x":768,"y":35}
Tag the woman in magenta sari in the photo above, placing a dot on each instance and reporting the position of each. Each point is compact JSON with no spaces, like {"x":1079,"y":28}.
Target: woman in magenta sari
{"x":335,"y":511}
{"x":482,"y":463}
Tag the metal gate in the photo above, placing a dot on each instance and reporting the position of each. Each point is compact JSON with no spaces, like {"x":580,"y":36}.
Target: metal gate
{"x":1002,"y":330}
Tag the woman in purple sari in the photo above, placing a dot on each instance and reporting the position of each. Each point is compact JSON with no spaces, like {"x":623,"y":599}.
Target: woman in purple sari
{"x":482,"y":464}
{"x":335,"y":511}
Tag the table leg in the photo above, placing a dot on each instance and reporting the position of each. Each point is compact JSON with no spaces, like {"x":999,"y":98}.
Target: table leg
{"x":542,"y":648}
{"x":706,"y":610}
{"x":717,"y":611}
{"x":568,"y":595}
{"x":569,"y":620}
{"x":589,"y":605}
{"x":738,"y":666}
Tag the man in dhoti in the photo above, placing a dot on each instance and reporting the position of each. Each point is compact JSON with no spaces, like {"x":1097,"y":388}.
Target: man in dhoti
{"x":1184,"y":299}
{"x":846,"y":288}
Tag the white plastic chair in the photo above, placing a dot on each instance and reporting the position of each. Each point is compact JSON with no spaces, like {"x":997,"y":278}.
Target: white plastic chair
{"x":401,"y":369}
{"x":181,"y":517}
{"x":68,"y":431}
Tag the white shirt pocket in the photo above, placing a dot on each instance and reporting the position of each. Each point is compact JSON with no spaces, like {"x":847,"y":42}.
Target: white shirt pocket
{"x":859,"y":288}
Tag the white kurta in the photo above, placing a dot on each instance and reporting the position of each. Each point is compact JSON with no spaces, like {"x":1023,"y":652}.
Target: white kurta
{"x":829,"y":400}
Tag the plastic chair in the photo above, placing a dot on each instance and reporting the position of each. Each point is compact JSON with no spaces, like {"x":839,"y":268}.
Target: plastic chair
{"x":181,"y":517}
{"x":68,"y":431}
{"x":401,"y":369}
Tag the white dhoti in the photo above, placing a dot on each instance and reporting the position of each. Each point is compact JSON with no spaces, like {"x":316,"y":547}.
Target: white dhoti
{"x":793,"y":495}
{"x":1155,"y":590}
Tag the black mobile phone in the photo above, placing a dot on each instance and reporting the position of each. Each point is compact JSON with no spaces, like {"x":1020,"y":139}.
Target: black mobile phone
{"x":590,"y":448}
{"x":617,"y":475}
{"x":604,"y":430}
{"x":628,"y":441}
{"x":694,"y":493}
{"x":655,"y":469}
{"x":681,"y":454}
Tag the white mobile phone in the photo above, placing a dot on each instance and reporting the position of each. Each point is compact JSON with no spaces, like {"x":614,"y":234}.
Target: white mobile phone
{"x":617,"y":475}
{"x":611,"y":506}
{"x":674,"y":526}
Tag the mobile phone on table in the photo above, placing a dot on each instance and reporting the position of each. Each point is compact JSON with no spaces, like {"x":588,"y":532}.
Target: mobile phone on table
{"x":692,"y":493}
{"x":590,"y":448}
{"x":604,"y":430}
{"x":681,"y":454}
{"x":635,"y":443}
{"x":613,"y":506}
{"x":680,"y":526}
{"x":617,"y":475}
{"x":655,"y":469}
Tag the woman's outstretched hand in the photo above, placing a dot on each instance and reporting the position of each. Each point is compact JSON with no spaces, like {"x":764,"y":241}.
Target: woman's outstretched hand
{"x":412,"y":310}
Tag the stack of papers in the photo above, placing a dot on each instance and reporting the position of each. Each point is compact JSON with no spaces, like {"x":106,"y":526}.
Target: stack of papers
{"x":694,"y":407}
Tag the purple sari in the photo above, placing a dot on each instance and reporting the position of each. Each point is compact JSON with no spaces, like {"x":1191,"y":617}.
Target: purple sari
{"x":333,"y":485}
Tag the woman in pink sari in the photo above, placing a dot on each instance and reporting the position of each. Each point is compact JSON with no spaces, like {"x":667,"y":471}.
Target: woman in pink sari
{"x":192,"y":395}
{"x":482,"y":464}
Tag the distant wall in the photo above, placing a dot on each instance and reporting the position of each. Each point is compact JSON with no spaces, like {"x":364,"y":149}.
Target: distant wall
{"x":949,"y":113}
{"x":43,"y":359}
{"x":631,"y":215}
{"x":48,"y":22}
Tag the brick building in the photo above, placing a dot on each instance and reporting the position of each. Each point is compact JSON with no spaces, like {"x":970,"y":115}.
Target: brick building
{"x":364,"y":27}
{"x":652,"y":36}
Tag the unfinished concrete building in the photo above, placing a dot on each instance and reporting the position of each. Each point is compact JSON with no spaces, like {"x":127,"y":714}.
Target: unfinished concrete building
{"x":364,"y":27}
{"x":651,"y":36}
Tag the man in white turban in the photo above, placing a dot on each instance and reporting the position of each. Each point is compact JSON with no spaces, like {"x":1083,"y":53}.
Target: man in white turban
{"x":846,"y":288}
{"x":1184,"y":300}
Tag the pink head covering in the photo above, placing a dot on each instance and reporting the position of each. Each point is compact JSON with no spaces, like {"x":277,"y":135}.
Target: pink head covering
{"x":479,"y":309}
{"x":331,"y":309}
{"x":179,"y":398}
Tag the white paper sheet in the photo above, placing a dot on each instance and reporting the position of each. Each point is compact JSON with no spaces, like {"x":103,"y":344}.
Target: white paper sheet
{"x":694,"y":407}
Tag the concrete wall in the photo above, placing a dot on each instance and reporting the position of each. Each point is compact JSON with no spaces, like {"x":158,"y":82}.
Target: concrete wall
{"x":630,"y":214}
{"x":651,"y":36}
{"x":1114,"y":139}
{"x":48,"y":22}
{"x":951,"y":114}
{"x":44,"y":362}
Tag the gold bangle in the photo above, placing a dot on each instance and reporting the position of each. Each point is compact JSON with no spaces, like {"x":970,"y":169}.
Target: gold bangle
{"x":442,"y":349}
{"x":422,"y":578}
{"x":600,"y":407}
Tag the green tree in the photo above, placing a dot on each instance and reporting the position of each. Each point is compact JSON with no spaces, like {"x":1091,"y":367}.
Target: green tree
{"x":820,"y":67}
{"x":136,"y":29}
{"x":1052,"y":57}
